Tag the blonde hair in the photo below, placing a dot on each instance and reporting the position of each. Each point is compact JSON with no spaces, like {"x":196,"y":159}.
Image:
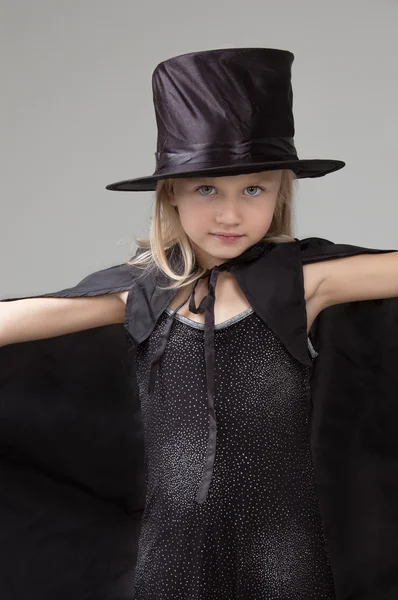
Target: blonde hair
{"x":166,"y":232}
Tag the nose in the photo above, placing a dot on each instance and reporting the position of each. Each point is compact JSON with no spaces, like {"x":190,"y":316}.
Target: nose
{"x":228,"y":212}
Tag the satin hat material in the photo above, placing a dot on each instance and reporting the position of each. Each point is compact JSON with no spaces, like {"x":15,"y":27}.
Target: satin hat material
{"x":225,"y":112}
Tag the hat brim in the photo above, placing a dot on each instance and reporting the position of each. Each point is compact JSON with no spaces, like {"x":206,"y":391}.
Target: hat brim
{"x":302,"y":168}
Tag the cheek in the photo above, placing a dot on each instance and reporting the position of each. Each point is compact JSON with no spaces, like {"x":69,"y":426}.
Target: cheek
{"x":260,"y":216}
{"x":195,"y":214}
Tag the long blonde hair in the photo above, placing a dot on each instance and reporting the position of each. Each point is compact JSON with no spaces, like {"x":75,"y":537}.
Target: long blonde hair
{"x":166,"y":232}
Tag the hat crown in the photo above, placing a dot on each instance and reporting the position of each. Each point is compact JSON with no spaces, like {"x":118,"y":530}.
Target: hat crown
{"x":225,"y":95}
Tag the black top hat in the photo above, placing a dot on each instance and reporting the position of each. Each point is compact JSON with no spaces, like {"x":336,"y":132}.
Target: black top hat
{"x":226,"y":111}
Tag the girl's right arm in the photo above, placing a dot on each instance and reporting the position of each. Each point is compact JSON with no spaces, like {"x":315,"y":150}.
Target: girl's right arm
{"x":38,"y":318}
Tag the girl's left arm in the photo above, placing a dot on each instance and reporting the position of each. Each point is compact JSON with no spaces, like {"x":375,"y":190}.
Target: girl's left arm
{"x":363,"y":277}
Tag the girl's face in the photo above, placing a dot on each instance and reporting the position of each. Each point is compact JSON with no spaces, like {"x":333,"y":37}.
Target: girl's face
{"x":237,"y":204}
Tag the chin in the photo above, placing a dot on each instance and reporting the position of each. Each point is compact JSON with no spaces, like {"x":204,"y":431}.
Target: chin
{"x":227,"y":251}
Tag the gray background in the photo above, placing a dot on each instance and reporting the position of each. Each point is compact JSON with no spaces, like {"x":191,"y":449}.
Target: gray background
{"x":77,"y":114}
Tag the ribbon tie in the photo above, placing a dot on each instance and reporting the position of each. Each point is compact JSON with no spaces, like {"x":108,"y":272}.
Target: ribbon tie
{"x":206,"y":306}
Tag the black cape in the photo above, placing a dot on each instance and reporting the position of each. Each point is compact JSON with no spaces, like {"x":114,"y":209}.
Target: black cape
{"x":71,"y":437}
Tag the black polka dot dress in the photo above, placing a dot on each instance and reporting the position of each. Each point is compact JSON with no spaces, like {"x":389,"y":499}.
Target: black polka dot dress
{"x":258,"y":535}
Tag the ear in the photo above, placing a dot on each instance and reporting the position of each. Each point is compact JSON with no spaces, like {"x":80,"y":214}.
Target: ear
{"x":174,"y":202}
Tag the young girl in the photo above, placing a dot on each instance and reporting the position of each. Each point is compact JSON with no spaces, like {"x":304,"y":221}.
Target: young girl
{"x":218,"y":306}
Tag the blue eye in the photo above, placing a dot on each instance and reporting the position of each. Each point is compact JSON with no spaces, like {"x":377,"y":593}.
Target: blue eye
{"x":211,"y":186}
{"x":204,"y":186}
{"x":254,"y":186}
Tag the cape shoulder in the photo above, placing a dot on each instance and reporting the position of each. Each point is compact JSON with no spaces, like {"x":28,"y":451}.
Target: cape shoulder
{"x":273,"y":284}
{"x":316,"y":249}
{"x":113,"y":279}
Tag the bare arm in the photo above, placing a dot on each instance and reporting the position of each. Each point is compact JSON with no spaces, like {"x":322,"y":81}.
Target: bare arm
{"x":39,"y":318}
{"x":355,"y":278}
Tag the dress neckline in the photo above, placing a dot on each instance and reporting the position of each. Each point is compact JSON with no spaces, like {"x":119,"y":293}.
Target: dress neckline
{"x":221,"y":325}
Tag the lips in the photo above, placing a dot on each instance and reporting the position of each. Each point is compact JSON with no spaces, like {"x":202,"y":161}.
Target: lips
{"x":227,"y":239}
